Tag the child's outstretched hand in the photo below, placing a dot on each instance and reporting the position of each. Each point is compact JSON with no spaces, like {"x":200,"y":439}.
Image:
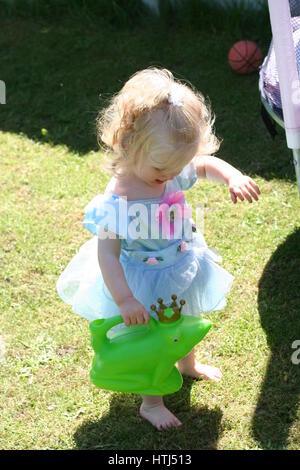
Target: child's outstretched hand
{"x":133,"y":312}
{"x":242,"y":186}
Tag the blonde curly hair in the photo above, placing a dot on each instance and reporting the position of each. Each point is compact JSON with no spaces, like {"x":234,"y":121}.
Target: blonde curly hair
{"x":143,"y":122}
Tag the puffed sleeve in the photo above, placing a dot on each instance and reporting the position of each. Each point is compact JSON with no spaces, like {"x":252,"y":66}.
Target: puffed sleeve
{"x":106,"y":213}
{"x":188,"y":177}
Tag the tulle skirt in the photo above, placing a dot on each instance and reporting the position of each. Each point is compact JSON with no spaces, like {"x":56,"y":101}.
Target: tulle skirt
{"x":193,"y":274}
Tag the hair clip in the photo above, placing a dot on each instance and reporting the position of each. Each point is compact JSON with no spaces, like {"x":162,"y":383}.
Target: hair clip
{"x":175,"y":98}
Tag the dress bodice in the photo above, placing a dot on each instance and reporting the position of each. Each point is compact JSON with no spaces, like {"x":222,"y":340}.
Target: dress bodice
{"x":145,"y":224}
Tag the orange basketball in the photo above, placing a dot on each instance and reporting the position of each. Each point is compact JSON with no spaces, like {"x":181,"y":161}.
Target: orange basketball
{"x":245,"y":57}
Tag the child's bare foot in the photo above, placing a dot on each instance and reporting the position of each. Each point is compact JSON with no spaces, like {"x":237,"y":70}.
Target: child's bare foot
{"x":202,"y":371}
{"x":159,"y":416}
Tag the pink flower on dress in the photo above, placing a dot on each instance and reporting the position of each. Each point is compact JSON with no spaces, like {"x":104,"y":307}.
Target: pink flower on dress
{"x":171,"y":212}
{"x":151,"y":261}
{"x":183,"y":246}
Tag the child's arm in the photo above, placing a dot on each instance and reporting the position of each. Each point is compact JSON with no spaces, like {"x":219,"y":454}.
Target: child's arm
{"x":132,"y":311}
{"x":111,"y":269}
{"x":215,"y":169}
{"x":220,"y":171}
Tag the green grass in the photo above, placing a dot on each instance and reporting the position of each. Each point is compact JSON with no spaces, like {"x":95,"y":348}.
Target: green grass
{"x":49,"y":170}
{"x":237,"y":17}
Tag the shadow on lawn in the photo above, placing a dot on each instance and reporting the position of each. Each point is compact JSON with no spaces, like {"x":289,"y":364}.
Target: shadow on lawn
{"x":279,"y":307}
{"x":55,"y":72}
{"x":123,"y":428}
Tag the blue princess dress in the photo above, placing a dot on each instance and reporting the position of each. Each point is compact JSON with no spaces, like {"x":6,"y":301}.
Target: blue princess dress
{"x":153,"y":266}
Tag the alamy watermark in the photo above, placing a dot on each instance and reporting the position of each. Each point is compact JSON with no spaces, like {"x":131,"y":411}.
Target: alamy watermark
{"x":295,"y":358}
{"x":296,"y":92}
{"x":166,"y":221}
{"x":2,"y":92}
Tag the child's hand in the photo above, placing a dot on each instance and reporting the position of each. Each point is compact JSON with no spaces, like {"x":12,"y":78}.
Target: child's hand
{"x":133,"y":312}
{"x":242,"y":185}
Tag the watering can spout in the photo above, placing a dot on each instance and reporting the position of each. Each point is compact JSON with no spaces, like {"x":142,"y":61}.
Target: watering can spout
{"x":194,"y":330}
{"x":204,"y":327}
{"x":200,"y":327}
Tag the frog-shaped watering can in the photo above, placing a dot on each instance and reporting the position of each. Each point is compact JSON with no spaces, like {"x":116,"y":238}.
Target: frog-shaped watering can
{"x":141,"y":358}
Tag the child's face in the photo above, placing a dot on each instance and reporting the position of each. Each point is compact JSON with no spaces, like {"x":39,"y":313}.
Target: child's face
{"x":155,"y":176}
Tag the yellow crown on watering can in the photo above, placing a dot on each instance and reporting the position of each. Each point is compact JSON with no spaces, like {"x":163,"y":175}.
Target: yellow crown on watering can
{"x":170,"y":313}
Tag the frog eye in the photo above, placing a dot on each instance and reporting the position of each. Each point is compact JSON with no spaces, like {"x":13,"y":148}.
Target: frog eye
{"x":175,"y":339}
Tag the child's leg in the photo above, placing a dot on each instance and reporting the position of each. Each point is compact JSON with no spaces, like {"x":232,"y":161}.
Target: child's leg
{"x":153,"y":409}
{"x":189,"y":366}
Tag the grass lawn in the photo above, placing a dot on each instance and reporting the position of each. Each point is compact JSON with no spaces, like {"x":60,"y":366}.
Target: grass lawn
{"x":49,"y":170}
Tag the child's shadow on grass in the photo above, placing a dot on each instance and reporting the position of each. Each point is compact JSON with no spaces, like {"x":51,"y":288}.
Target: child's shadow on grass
{"x":279,"y":308}
{"x":123,"y":428}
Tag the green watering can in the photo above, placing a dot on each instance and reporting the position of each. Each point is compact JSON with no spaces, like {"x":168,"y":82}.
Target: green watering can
{"x":141,"y":358}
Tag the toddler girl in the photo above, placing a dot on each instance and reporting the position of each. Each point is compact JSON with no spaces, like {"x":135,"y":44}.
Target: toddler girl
{"x":146,"y":244}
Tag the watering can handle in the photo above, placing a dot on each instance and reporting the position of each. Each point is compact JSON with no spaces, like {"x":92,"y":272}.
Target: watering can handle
{"x":119,"y":319}
{"x":113,"y":321}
